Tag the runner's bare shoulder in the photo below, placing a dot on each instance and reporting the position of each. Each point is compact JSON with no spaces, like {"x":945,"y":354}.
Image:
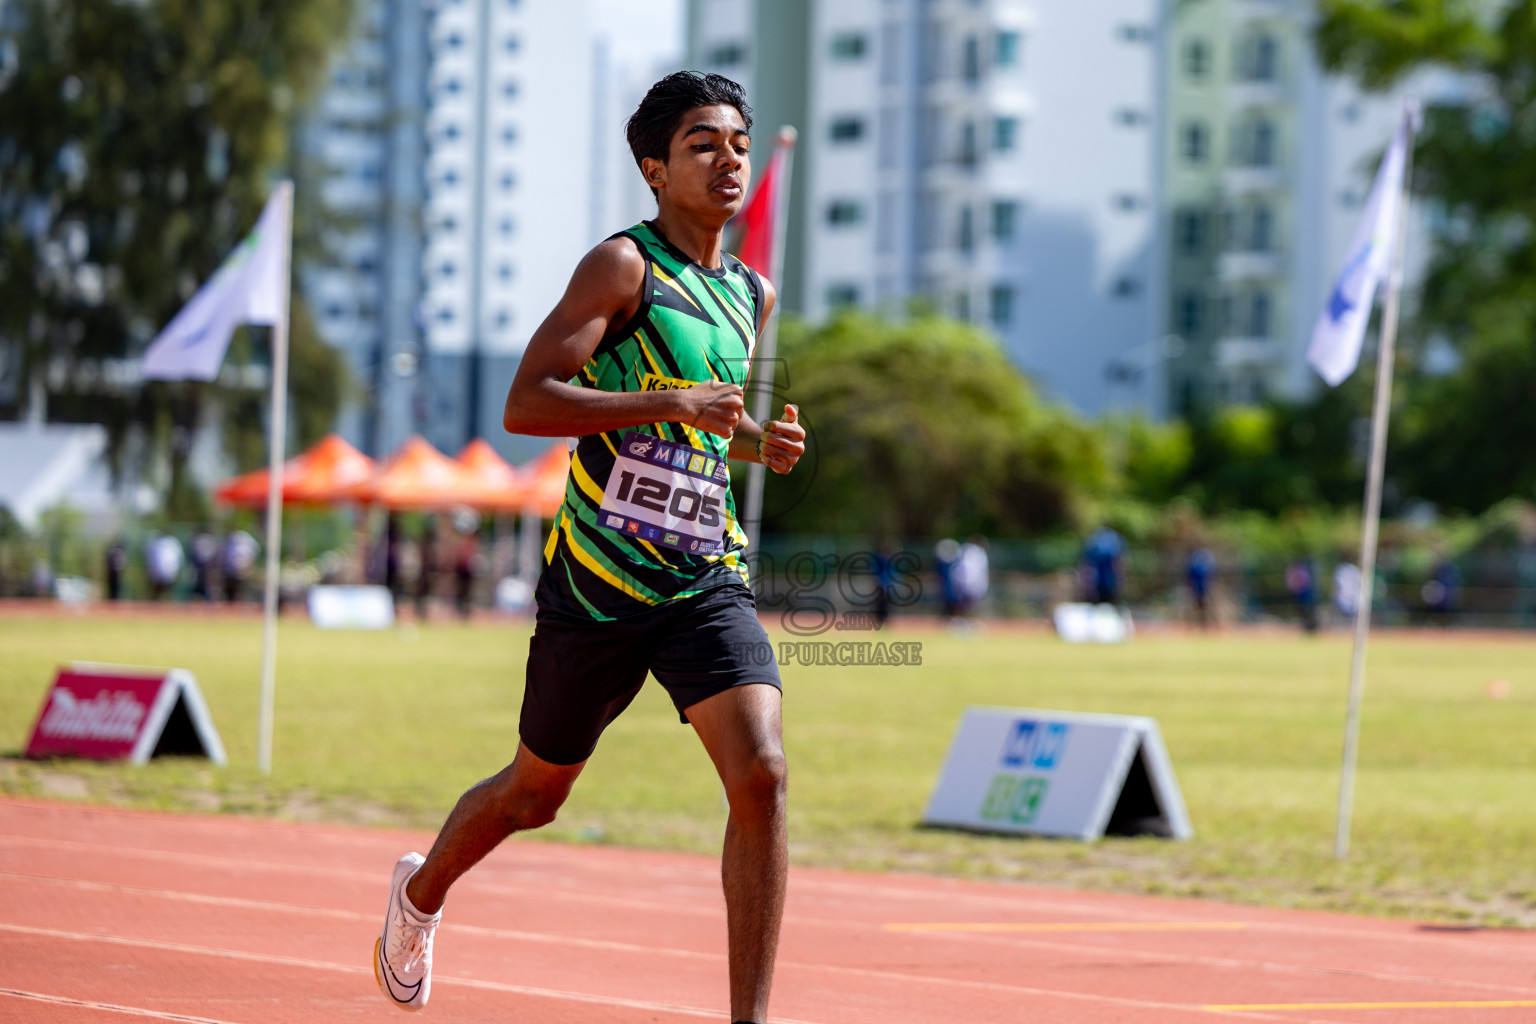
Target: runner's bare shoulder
{"x":609,"y":279}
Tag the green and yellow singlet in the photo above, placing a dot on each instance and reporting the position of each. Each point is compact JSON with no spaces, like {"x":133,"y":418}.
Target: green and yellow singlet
{"x":694,"y":324}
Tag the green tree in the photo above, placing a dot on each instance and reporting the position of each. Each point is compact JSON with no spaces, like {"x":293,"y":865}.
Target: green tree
{"x":1460,"y":439}
{"x":922,"y":428}
{"x":138,"y":141}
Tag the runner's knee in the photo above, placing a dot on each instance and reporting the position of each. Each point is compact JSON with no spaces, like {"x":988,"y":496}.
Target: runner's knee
{"x":762,"y":780}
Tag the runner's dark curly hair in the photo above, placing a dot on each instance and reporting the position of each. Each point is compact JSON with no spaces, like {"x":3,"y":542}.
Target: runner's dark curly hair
{"x":651,"y":127}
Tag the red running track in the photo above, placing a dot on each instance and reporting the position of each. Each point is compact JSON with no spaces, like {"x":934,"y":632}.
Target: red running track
{"x":110,"y":915}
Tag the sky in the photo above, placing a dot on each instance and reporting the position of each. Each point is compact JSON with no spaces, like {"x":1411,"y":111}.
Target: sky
{"x":640,"y":33}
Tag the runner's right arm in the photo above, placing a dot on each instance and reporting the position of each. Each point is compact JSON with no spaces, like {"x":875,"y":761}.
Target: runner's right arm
{"x":603,"y":296}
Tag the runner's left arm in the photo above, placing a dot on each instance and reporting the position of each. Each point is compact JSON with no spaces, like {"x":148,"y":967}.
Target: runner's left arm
{"x":777,"y":444}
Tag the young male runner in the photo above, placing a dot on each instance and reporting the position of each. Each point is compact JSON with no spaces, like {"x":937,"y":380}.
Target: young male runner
{"x":644,"y":359}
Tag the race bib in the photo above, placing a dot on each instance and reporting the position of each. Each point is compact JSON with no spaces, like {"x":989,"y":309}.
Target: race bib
{"x":668,"y":494}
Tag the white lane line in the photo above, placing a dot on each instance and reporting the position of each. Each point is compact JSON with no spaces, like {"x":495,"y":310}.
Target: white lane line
{"x":87,"y":1004}
{"x":323,"y":965}
{"x":861,"y":972}
{"x":1055,"y":945}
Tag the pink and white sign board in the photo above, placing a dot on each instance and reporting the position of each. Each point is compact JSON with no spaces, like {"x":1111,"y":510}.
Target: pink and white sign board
{"x":112,"y":712}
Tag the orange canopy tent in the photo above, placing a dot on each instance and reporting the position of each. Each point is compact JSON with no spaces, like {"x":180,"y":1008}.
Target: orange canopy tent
{"x":324,"y":474}
{"x":503,"y":484}
{"x":418,"y":476}
{"x":543,"y":480}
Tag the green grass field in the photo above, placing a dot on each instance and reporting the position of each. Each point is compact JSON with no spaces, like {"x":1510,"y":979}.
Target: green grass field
{"x":390,"y":728}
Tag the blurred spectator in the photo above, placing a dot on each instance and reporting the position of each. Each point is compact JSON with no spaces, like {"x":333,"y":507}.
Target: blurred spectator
{"x":1103,"y":553}
{"x":1301,"y":582}
{"x":466,"y":562}
{"x":1346,"y":590}
{"x":972,"y":578}
{"x":117,"y":564}
{"x":1198,"y":572}
{"x":426,"y":574}
{"x":885,"y":582}
{"x":236,"y":558}
{"x":42,"y":578}
{"x":393,"y":543}
{"x":946,"y":556}
{"x":163,"y":559}
{"x":1440,"y":592}
{"x":204,"y":553}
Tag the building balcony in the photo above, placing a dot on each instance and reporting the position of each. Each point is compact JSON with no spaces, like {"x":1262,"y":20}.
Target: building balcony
{"x":1232,"y":353}
{"x":1249,"y":265}
{"x":1240,"y":181}
{"x":1241,"y":12}
{"x":1244,"y":95}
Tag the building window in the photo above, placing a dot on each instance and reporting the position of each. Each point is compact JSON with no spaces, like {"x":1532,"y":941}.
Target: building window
{"x":849,"y":46}
{"x":842,"y":296}
{"x":1261,"y":237}
{"x":1134,"y":33}
{"x":1263,"y":153}
{"x":1129,"y":118}
{"x":970,"y":61}
{"x":447,"y":269}
{"x":962,"y":302}
{"x":450,"y":177}
{"x":1197,"y":58}
{"x":335,"y":311}
{"x":846,"y":129}
{"x":445,"y":315}
{"x":504,"y":272}
{"x":1000,"y":303}
{"x":1189,"y":231}
{"x":1126,"y":288}
{"x":509,"y":89}
{"x":1194,"y":142}
{"x":453,"y":40}
{"x":844,"y":212}
{"x":965,"y":235}
{"x":726,"y":55}
{"x":968,"y":155}
{"x":1188,"y":312}
{"x":1127,"y":202}
{"x":1259,"y":315}
{"x":508,"y":181}
{"x":506,"y":227}
{"x":1005,"y":220}
{"x":1005,"y":134}
{"x":451,"y":132}
{"x":503,"y":318}
{"x":1266,"y":59}
{"x":513,"y":44}
{"x":453,"y":86}
{"x":1007,"y":49}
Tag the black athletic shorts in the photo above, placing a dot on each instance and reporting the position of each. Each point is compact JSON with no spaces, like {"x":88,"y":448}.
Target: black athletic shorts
{"x":583,"y":673}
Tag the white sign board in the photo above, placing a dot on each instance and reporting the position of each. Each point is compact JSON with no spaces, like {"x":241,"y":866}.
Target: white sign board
{"x":1092,"y":623}
{"x":351,"y":607}
{"x":1058,"y":773}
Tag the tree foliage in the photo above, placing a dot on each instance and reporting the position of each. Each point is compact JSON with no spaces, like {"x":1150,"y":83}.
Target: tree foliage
{"x":923,"y":428}
{"x":1456,"y":440}
{"x":138,"y":141}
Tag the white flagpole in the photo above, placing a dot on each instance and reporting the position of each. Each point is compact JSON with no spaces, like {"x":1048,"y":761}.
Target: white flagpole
{"x":762,"y":356}
{"x":277,"y":439}
{"x":1380,"y":413}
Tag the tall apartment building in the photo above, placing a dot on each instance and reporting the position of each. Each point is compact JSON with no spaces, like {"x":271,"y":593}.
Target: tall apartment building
{"x":459,"y":161}
{"x":1267,"y":162}
{"x":995,"y":158}
{"x":362,"y":148}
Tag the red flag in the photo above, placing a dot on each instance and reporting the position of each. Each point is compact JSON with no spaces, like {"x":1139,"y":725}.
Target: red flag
{"x":759,"y":216}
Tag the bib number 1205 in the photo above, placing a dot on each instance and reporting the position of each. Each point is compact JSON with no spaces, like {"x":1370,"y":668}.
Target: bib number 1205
{"x":684,"y":504}
{"x":668,"y":494}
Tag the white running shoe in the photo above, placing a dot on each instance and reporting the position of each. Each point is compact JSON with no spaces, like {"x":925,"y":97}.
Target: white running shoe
{"x":402,"y":956}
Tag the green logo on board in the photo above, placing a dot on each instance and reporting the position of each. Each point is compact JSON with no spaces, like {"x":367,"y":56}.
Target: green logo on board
{"x":1014,"y":798}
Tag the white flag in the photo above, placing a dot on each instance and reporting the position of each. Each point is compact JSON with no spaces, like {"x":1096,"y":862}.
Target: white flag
{"x":1335,"y":349}
{"x":249,"y":288}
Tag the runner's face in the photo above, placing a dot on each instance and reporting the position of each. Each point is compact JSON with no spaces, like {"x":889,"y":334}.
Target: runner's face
{"x":709,"y":167}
